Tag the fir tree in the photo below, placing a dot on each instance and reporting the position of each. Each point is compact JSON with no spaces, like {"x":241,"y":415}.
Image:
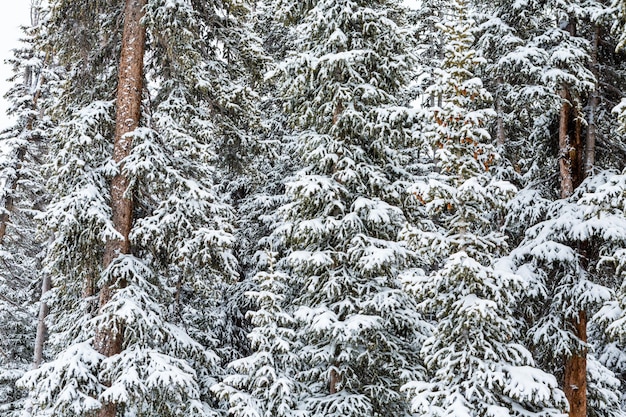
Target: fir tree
{"x":355,"y":329}
{"x":151,"y":347}
{"x":263,"y":383}
{"x":22,"y":198}
{"x":476,"y":365}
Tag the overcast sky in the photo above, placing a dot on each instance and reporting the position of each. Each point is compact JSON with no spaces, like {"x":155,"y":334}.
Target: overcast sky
{"x":13,"y":14}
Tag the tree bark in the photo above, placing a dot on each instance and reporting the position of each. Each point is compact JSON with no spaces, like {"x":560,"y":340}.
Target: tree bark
{"x":109,"y":341}
{"x":335,"y":380}
{"x":594,"y":102}
{"x":573,"y":169}
{"x":577,"y":149}
{"x":575,"y":380}
{"x":42,"y":329}
{"x":500,"y":133}
{"x":565,"y":161}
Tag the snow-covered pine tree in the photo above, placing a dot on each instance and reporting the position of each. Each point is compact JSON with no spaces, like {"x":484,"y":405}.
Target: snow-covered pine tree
{"x":356,"y":332}
{"x":134,"y":330}
{"x":263,"y":384}
{"x":563,"y":54}
{"x":22,"y":197}
{"x":567,"y":260}
{"x":476,"y":365}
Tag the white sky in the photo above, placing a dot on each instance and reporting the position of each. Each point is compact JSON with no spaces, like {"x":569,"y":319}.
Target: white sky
{"x":13,"y":14}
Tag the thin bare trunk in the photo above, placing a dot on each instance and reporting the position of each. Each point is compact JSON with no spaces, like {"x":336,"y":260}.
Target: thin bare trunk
{"x":577,"y":149}
{"x":594,"y":102}
{"x":575,"y":380}
{"x":109,"y":341}
{"x":565,"y":162}
{"x":500,"y":133}
{"x":42,"y":329}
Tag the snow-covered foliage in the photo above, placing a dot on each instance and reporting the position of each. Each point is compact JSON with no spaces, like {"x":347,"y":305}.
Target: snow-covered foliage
{"x":164,"y":296}
{"x":263,"y":384}
{"x":557,"y":260}
{"x":303,"y":242}
{"x":534,"y":49}
{"x":475,"y":365}
{"x":356,"y":333}
{"x":22,"y":197}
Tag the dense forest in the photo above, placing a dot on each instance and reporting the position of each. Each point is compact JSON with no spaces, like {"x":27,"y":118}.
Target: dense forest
{"x":315,"y":208}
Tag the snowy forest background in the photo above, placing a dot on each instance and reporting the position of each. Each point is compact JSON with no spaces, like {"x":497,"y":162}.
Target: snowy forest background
{"x":315,"y":208}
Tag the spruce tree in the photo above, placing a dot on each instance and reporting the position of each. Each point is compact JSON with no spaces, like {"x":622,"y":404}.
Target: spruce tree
{"x":137,"y":287}
{"x":356,"y":332}
{"x":554,"y":62}
{"x":476,"y":365}
{"x":22,"y":198}
{"x":263,"y":384}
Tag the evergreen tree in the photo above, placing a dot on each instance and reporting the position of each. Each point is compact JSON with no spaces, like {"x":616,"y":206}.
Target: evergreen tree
{"x":263,"y":384}
{"x":563,"y":55}
{"x":22,"y":197}
{"x":355,"y":329}
{"x":137,"y":285}
{"x":476,"y":366}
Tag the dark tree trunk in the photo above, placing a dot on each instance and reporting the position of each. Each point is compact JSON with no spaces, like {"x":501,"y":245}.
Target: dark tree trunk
{"x":500,"y":132}
{"x":594,"y":102}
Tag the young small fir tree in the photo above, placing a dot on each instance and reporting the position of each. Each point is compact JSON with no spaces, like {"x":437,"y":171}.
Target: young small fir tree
{"x":263,"y":383}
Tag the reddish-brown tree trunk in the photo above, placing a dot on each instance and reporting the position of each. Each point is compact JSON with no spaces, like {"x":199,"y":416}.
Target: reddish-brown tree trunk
{"x":575,"y":381}
{"x":572,"y":174}
{"x":335,"y":380}
{"x":572,"y":167}
{"x":109,"y":341}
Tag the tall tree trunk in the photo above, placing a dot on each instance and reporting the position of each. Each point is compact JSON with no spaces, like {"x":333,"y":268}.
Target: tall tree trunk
{"x":109,"y":341}
{"x":575,"y":380}
{"x":42,"y":329}
{"x":572,"y":174}
{"x":577,"y":146}
{"x":572,"y":170}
